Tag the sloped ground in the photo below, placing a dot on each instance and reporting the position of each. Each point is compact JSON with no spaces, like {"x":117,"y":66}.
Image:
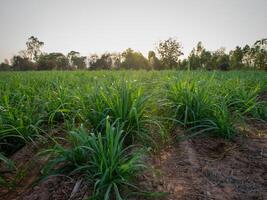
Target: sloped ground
{"x":200,"y":168}
{"x":206,"y":168}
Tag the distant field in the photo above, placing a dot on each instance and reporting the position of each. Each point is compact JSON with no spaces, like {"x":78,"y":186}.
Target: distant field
{"x":121,"y":108}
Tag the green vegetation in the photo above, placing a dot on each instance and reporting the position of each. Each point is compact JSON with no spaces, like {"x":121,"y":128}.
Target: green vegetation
{"x":105,"y":116}
{"x":125,"y":102}
{"x":198,"y":105}
{"x":215,"y":103}
{"x":167,"y":56}
{"x":10,"y":166}
{"x":103,"y":158}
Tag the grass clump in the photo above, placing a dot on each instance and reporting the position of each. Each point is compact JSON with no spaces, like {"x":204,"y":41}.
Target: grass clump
{"x":122,"y":102}
{"x":243,"y":101}
{"x":101,"y":158}
{"x":189,"y":102}
{"x":198,"y":107}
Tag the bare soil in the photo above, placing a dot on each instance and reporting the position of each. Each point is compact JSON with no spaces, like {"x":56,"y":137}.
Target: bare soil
{"x":262,"y":96}
{"x":212,"y":168}
{"x":25,"y":179}
{"x":199,"y":168}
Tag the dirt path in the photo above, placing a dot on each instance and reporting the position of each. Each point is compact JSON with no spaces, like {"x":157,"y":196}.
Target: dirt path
{"x":206,"y":168}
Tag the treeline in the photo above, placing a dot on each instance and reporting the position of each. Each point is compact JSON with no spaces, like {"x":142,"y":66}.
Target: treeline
{"x":166,"y":56}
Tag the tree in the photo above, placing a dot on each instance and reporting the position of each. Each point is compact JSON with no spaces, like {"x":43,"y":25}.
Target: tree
{"x":116,"y":60}
{"x":102,"y":62}
{"x":169,"y":51}
{"x":261,"y":43}
{"x":223,"y":62}
{"x":134,"y":60}
{"x":221,"y":59}
{"x":247,"y":56}
{"x":200,"y":58}
{"x":206,"y":59}
{"x":184,"y":64}
{"x":154,"y":62}
{"x":260,"y":54}
{"x":106,"y":61}
{"x":93,"y":61}
{"x":236,"y":57}
{"x":22,"y":64}
{"x":256,"y":55}
{"x":199,"y":49}
{"x":76,"y":60}
{"x":53,"y":61}
{"x":194,"y":60}
{"x":5,"y":67}
{"x":33,"y":48}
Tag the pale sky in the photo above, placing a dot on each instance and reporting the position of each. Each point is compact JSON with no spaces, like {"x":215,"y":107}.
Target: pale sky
{"x":97,"y":26}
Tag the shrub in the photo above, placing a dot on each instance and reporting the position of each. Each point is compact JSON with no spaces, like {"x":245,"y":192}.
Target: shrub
{"x":103,"y":158}
{"x":199,"y":108}
{"x":122,"y":102}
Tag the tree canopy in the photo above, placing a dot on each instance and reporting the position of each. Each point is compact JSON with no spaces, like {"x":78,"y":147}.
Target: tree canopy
{"x":167,"y":55}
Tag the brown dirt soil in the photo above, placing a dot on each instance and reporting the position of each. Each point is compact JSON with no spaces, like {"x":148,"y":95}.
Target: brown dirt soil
{"x":211,"y":168}
{"x":262,"y":96}
{"x":200,"y":168}
{"x":28,"y":170}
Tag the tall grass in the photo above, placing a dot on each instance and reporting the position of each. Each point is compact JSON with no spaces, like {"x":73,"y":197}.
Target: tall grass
{"x":123,"y":102}
{"x":213,"y":104}
{"x":140,"y":102}
{"x":189,"y":101}
{"x":102,"y":158}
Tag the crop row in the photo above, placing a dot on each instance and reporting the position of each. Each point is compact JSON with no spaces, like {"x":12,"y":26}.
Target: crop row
{"x":103,"y":114}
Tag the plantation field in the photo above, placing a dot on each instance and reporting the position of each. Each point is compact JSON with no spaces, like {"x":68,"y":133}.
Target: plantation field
{"x":133,"y":135}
